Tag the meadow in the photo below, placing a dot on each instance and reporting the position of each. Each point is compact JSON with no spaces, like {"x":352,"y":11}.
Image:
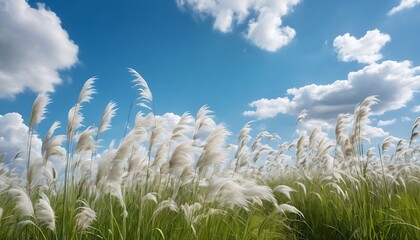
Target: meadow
{"x":190,"y":182}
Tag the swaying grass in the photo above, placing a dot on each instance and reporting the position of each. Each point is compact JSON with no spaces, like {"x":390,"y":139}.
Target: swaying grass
{"x":187,"y":182}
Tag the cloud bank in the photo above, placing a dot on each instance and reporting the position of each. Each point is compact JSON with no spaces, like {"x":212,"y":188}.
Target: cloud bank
{"x":393,"y":82}
{"x":364,"y":50}
{"x":33,"y":46}
{"x":14,"y":136}
{"x":265,"y":27}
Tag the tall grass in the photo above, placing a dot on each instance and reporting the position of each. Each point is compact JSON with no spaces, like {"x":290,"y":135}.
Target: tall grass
{"x":188,"y":182}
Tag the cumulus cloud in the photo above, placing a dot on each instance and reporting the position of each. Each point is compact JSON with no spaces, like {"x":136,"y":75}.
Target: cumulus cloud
{"x":364,"y":50}
{"x":265,"y":27}
{"x":33,"y":46}
{"x":382,"y":123}
{"x":14,"y":137}
{"x":416,"y":109}
{"x":393,"y":82}
{"x":404,"y":4}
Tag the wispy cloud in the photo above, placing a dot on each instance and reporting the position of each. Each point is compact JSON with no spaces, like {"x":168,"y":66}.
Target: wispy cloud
{"x":404,"y":4}
{"x":364,"y":50}
{"x":416,"y":109}
{"x":405,"y":119}
{"x":33,"y":46}
{"x":265,"y":27}
{"x":393,"y":82}
{"x":382,"y":123}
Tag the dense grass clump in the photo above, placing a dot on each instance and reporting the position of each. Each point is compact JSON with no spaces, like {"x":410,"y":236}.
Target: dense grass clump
{"x":187,"y":182}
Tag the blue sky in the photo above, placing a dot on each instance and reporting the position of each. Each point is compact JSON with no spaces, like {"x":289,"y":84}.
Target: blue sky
{"x":226,"y":54}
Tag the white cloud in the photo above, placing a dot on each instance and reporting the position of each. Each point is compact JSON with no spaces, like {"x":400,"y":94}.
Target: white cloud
{"x":405,"y":119}
{"x":394,"y":83}
{"x":33,"y":46}
{"x":416,"y":109}
{"x":404,"y":4}
{"x":382,"y":123}
{"x":364,"y":50}
{"x":374,"y":132}
{"x":14,"y":136}
{"x":265,"y":25}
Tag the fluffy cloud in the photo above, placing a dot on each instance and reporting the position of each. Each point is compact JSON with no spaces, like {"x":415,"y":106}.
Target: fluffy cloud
{"x":33,"y":46}
{"x":416,"y":109}
{"x":394,"y":83}
{"x":265,"y":27}
{"x":404,"y":4}
{"x":382,"y":123}
{"x":364,"y":50}
{"x":14,"y":136}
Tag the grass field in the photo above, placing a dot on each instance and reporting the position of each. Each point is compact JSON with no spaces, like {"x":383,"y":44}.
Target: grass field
{"x":189,"y":182}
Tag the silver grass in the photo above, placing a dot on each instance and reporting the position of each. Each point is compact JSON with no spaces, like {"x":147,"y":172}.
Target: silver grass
{"x":151,"y":196}
{"x":181,"y":158}
{"x":23,"y":206}
{"x":244,"y":137}
{"x":203,"y":118}
{"x":137,"y":160}
{"x":109,"y":113}
{"x":339,"y":129}
{"x":87,"y":91}
{"x":214,"y":151}
{"x":286,"y":208}
{"x":414,"y":132}
{"x":182,"y":126}
{"x":257,"y":193}
{"x":51,"y":131}
{"x":189,"y":211}
{"x":166,"y":204}
{"x":303,"y":188}
{"x":35,"y":172}
{"x":85,"y":142}
{"x":261,"y":151}
{"x":386,"y":144}
{"x":85,"y":217}
{"x":44,"y":213}
{"x":156,"y":133}
{"x":148,"y":121}
{"x":227,"y":192}
{"x":313,"y":138}
{"x":161,"y":156}
{"x":257,"y":142}
{"x":39,"y":109}
{"x":139,"y":130}
{"x":284,"y":189}
{"x":104,"y":166}
{"x":51,"y":146}
{"x":302,"y":115}
{"x":145,"y":93}
{"x":361,"y":115}
{"x":75,"y":119}
{"x":54,"y":147}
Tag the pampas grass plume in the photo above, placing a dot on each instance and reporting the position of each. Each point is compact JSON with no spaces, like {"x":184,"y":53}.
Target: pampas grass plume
{"x":44,"y":212}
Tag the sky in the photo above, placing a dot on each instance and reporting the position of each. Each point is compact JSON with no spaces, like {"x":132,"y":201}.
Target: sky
{"x":248,"y":60}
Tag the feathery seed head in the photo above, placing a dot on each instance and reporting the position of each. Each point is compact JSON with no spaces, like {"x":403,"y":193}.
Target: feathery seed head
{"x":109,"y":113}
{"x":44,"y":213}
{"x":87,"y":91}
{"x":39,"y":109}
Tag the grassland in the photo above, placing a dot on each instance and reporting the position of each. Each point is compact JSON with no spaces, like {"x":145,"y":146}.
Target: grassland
{"x":188,"y":182}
